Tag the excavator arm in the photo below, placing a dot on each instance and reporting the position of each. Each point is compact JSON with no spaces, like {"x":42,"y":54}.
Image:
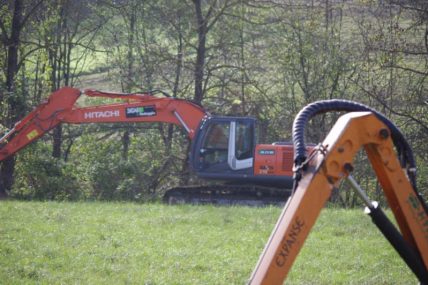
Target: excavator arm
{"x":322,"y":172}
{"x":60,"y":108}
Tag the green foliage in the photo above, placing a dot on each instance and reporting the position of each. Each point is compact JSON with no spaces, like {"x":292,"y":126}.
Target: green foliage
{"x":97,"y":169}
{"x":124,"y":243}
{"x":116,"y":180}
{"x":111,"y":174}
{"x":41,"y":177}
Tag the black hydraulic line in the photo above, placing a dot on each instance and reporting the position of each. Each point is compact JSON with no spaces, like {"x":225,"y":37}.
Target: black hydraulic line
{"x":324,"y":106}
{"x":407,"y":253}
{"x":149,"y":92}
{"x":404,"y":150}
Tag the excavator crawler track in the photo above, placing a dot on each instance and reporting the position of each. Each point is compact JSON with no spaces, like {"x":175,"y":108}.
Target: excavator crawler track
{"x":227,"y":195}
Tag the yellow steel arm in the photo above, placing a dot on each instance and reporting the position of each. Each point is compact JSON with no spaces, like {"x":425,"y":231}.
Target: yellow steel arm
{"x":328,"y":166}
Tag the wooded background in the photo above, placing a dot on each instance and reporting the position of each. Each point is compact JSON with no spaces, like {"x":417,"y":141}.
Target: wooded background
{"x":265,"y":59}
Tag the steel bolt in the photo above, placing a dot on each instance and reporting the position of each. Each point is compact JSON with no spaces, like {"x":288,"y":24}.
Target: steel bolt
{"x":384,"y":133}
{"x":348,"y":167}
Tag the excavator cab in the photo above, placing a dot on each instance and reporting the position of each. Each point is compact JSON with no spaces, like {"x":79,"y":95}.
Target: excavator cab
{"x":224,"y":147}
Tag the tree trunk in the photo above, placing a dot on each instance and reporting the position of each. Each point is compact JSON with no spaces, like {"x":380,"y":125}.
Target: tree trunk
{"x":243,"y":67}
{"x":12,"y":52}
{"x":57,"y":142}
{"x":200,"y":52}
{"x":8,"y":166}
{"x":7,"y":170}
{"x":126,"y":141}
{"x":179,"y":66}
{"x":57,"y":59}
{"x":129,"y":80}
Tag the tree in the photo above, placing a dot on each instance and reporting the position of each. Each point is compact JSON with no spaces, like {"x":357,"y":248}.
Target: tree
{"x":69,"y":25}
{"x":18,"y":15}
{"x":395,"y":67}
{"x":204,"y":23}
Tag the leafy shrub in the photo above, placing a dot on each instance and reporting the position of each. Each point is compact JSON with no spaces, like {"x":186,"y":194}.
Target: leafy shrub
{"x":118,"y":180}
{"x":39,"y":176}
{"x":96,"y":169}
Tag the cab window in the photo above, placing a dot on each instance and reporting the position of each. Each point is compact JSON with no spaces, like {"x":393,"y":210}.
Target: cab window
{"x":244,"y":140}
{"x":216,"y":144}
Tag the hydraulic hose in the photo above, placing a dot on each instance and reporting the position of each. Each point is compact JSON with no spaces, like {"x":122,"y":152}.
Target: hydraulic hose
{"x":299,"y":125}
{"x":404,"y":150}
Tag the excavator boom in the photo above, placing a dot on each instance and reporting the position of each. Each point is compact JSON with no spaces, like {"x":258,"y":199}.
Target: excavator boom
{"x":60,"y":108}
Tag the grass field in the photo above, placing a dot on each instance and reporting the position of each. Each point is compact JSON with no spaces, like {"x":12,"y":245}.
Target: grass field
{"x":125,"y":243}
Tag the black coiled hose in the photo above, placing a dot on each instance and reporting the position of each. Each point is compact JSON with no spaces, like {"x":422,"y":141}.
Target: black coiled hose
{"x":404,"y":150}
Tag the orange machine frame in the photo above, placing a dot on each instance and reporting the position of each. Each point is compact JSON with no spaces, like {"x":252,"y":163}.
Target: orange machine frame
{"x":327,"y":168}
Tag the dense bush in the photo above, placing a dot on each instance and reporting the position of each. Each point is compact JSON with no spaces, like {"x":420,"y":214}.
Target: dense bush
{"x":118,"y":180}
{"x":96,"y":170}
{"x":41,"y":177}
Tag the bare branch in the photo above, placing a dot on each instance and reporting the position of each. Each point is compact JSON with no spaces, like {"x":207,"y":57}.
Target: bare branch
{"x":4,"y":36}
{"x":404,"y":5}
{"x":28,"y":53}
{"x":407,"y":52}
{"x":407,"y":69}
{"x":228,"y":4}
{"x":26,"y":17}
{"x":210,"y":9}
{"x":394,"y":110}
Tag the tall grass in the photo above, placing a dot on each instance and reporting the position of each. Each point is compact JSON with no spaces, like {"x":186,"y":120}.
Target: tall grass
{"x":125,"y":243}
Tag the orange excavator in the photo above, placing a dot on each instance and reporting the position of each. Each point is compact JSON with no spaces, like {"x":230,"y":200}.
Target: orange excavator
{"x":318,"y":173}
{"x":222,"y":148}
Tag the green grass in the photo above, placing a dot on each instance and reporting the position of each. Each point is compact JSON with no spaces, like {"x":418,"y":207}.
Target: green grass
{"x":125,"y":243}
